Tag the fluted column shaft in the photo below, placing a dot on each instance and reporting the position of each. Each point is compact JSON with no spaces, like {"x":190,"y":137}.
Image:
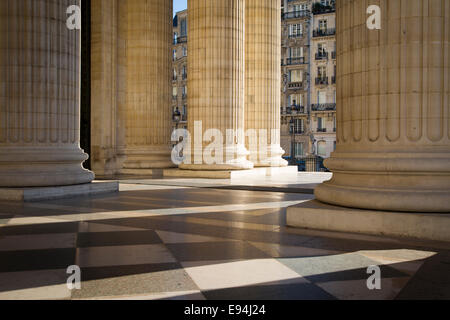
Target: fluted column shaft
{"x":216,"y":69}
{"x":144,"y":47}
{"x":393,"y":149}
{"x":39,"y":96}
{"x":263,"y":78}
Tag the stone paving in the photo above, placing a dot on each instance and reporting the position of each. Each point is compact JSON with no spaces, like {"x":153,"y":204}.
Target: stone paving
{"x":179,"y":242}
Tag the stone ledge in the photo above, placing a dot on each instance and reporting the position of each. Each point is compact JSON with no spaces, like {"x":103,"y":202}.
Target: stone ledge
{"x":231,"y":174}
{"x":51,"y":193}
{"x":316,"y":215}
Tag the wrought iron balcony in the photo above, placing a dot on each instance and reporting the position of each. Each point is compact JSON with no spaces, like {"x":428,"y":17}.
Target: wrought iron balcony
{"x":321,"y":81}
{"x":324,"y":32}
{"x":322,"y":130}
{"x":294,"y":61}
{"x":296,"y":14}
{"x":319,"y":8}
{"x":180,"y":40}
{"x":322,"y":56}
{"x":324,"y":107}
{"x":295,"y":85}
{"x":294,"y":110}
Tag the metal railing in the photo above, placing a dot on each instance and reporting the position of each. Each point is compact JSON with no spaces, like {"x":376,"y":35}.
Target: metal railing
{"x":295,"y":85}
{"x":321,"y":81}
{"x":323,"y":107}
{"x":296,"y":14}
{"x":293,"y":61}
{"x":324,"y":32}
{"x":322,"y":56}
{"x":180,"y":40}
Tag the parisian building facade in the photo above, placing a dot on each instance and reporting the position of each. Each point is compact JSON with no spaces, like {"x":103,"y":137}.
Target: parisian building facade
{"x":308,"y":110}
{"x":179,"y":77}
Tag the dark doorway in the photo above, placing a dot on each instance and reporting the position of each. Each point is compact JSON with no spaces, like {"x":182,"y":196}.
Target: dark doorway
{"x":85,"y":100}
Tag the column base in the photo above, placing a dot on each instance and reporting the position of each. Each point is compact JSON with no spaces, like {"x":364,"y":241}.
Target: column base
{"x":43,"y":167}
{"x":319,"y":216}
{"x":140,"y":160}
{"x":271,"y":158}
{"x":401,"y":200}
{"x":402,"y":182}
{"x":238,"y":162}
{"x":51,"y":193}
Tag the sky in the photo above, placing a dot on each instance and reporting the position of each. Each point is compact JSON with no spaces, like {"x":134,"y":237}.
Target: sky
{"x":179,"y":5}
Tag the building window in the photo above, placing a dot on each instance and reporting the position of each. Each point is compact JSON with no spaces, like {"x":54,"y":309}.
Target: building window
{"x":183,"y":27}
{"x":295,"y":30}
{"x":296,"y":52}
{"x":184,"y":52}
{"x":319,"y":124}
{"x":174,"y":54}
{"x":321,"y":97}
{"x":322,"y":148}
{"x":174,"y":92}
{"x":295,"y":76}
{"x":295,"y":100}
{"x":298,"y":149}
{"x":299,"y":126}
{"x":323,"y":25}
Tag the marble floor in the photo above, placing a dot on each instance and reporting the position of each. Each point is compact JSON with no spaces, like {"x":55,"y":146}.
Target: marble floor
{"x":160,"y":241}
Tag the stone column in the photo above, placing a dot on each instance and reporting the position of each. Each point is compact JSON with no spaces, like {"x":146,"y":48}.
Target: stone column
{"x":263,"y":81}
{"x":393,"y":150}
{"x":104,"y":84}
{"x":39,"y":96}
{"x":216,"y":69}
{"x":144,"y":60}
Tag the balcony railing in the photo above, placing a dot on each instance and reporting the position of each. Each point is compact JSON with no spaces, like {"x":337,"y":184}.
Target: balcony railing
{"x":294,"y":61}
{"x":322,"y":81}
{"x":296,"y":14}
{"x":294,"y":110}
{"x":319,"y":8}
{"x":324,"y":32}
{"x":184,"y":76}
{"x":293,"y":131}
{"x":333,"y":55}
{"x":333,"y":80}
{"x":295,"y":85}
{"x":322,"y":56}
{"x":324,"y":107}
{"x":180,"y":40}
{"x":322,"y":130}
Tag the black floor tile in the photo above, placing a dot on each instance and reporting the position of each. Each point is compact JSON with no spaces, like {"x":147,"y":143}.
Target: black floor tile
{"x":121,"y":238}
{"x":13,"y":261}
{"x":300,"y":291}
{"x":96,"y":273}
{"x":215,"y":251}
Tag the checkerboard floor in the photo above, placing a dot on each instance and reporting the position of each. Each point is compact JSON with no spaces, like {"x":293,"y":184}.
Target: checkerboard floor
{"x":162,"y":242}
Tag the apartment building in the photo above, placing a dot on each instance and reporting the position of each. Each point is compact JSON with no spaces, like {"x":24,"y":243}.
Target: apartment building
{"x":308,"y":111}
{"x":179,"y":77}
